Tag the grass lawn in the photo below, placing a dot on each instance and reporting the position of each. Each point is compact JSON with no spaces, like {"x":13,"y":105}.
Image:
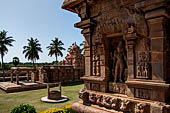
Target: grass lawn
{"x":9,"y":100}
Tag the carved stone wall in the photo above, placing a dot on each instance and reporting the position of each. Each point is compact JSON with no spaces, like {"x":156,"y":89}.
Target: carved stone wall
{"x":126,"y":52}
{"x":63,"y":74}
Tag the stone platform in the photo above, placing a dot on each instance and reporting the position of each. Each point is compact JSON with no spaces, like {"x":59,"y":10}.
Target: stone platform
{"x":91,"y":108}
{"x":62,"y":99}
{"x":23,"y":86}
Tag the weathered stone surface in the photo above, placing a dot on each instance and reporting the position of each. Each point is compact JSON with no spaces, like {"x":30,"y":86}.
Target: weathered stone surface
{"x":127,"y":53}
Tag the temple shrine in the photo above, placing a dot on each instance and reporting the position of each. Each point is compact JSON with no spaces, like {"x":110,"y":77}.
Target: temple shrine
{"x":127,"y":55}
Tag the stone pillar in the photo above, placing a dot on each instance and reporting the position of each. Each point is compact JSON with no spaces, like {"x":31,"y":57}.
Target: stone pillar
{"x":72,"y":74}
{"x":12,"y":77}
{"x":158,"y":48}
{"x":33,"y":76}
{"x":17,"y":77}
{"x":130,"y":43}
{"x":28,"y":75}
{"x":54,"y":75}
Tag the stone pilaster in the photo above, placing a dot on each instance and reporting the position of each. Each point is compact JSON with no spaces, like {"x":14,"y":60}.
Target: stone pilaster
{"x":12,"y":77}
{"x":17,"y":77}
{"x":130,"y":43}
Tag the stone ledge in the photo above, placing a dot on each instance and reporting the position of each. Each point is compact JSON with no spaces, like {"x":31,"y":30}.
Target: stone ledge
{"x":80,"y":108}
{"x":93,"y":78}
{"x":69,"y":4}
{"x":147,"y":83}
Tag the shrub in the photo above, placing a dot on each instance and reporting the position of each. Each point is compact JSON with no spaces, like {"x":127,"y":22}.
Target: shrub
{"x":24,"y":108}
{"x":53,"y":111}
{"x":67,"y":109}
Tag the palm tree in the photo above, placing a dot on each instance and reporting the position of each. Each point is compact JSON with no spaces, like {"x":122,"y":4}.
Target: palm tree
{"x":4,"y":42}
{"x":82,"y":46}
{"x":70,"y":47}
{"x":31,"y":51}
{"x":56,"y":48}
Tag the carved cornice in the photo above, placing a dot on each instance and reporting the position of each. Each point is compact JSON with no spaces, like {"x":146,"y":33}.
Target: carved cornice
{"x":148,"y":5}
{"x":71,"y":4}
{"x":84,"y":24}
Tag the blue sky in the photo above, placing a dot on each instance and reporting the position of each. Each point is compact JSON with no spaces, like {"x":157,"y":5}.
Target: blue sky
{"x":41,"y":19}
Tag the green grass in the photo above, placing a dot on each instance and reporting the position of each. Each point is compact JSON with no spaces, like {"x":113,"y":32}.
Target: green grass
{"x":9,"y":100}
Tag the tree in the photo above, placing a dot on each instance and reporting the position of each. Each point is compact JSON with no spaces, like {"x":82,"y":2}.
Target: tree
{"x":31,"y":51}
{"x":4,"y":42}
{"x":70,"y":47}
{"x":56,"y":48}
{"x":15,"y":61}
{"x":82,"y":46}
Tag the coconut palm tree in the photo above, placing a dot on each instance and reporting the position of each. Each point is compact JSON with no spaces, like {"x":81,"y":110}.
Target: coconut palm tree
{"x":56,"y":48}
{"x":15,"y":61}
{"x":82,"y":46}
{"x":31,"y":51}
{"x":4,"y":42}
{"x":70,"y":47}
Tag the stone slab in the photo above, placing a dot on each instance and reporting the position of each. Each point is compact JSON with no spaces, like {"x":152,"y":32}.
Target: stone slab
{"x":80,"y":108}
{"x":60,"y":100}
{"x":23,"y":86}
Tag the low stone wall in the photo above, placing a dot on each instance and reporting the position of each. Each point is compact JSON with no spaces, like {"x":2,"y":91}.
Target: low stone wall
{"x":48,"y":74}
{"x":64,"y":74}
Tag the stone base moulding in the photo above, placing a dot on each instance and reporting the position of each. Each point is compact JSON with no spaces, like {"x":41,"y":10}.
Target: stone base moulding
{"x":117,"y":103}
{"x":80,"y":108}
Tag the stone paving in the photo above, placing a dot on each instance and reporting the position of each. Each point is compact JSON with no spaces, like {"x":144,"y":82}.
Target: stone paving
{"x":22,"y":86}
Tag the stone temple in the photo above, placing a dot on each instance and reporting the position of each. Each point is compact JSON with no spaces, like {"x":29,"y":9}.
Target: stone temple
{"x":127,"y":55}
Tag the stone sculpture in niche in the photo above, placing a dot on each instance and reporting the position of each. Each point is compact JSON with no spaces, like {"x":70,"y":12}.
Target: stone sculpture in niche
{"x":119,"y":59}
{"x":96,"y":62}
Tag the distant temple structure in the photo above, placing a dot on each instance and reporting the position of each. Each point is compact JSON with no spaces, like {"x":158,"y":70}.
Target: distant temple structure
{"x":127,"y":55}
{"x":74,"y":58}
{"x":70,"y":71}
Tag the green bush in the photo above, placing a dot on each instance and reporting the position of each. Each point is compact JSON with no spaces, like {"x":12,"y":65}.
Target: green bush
{"x":67,"y":109}
{"x":24,"y":108}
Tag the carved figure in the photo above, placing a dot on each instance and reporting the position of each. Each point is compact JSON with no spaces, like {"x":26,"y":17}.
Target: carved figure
{"x":99,"y":100}
{"x":119,"y":56}
{"x":142,"y":108}
{"x":142,"y":65}
{"x":125,"y":106}
{"x":110,"y":102}
{"x":93,"y":98}
{"x":84,"y":95}
{"x":131,"y":29}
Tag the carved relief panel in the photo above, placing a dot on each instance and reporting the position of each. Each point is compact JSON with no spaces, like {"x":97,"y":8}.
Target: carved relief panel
{"x":143,"y":65}
{"x":96,"y":61}
{"x":143,"y":59}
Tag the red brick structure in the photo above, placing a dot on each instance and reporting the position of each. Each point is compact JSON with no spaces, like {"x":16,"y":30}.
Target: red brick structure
{"x":126,"y":55}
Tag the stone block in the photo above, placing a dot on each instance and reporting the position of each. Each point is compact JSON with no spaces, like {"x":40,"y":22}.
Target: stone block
{"x":158,"y":57}
{"x":158,"y":44}
{"x":158,"y":71}
{"x":158,"y":95}
{"x":154,"y":27}
{"x":95,"y":87}
{"x":155,"y":108}
{"x":157,"y":34}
